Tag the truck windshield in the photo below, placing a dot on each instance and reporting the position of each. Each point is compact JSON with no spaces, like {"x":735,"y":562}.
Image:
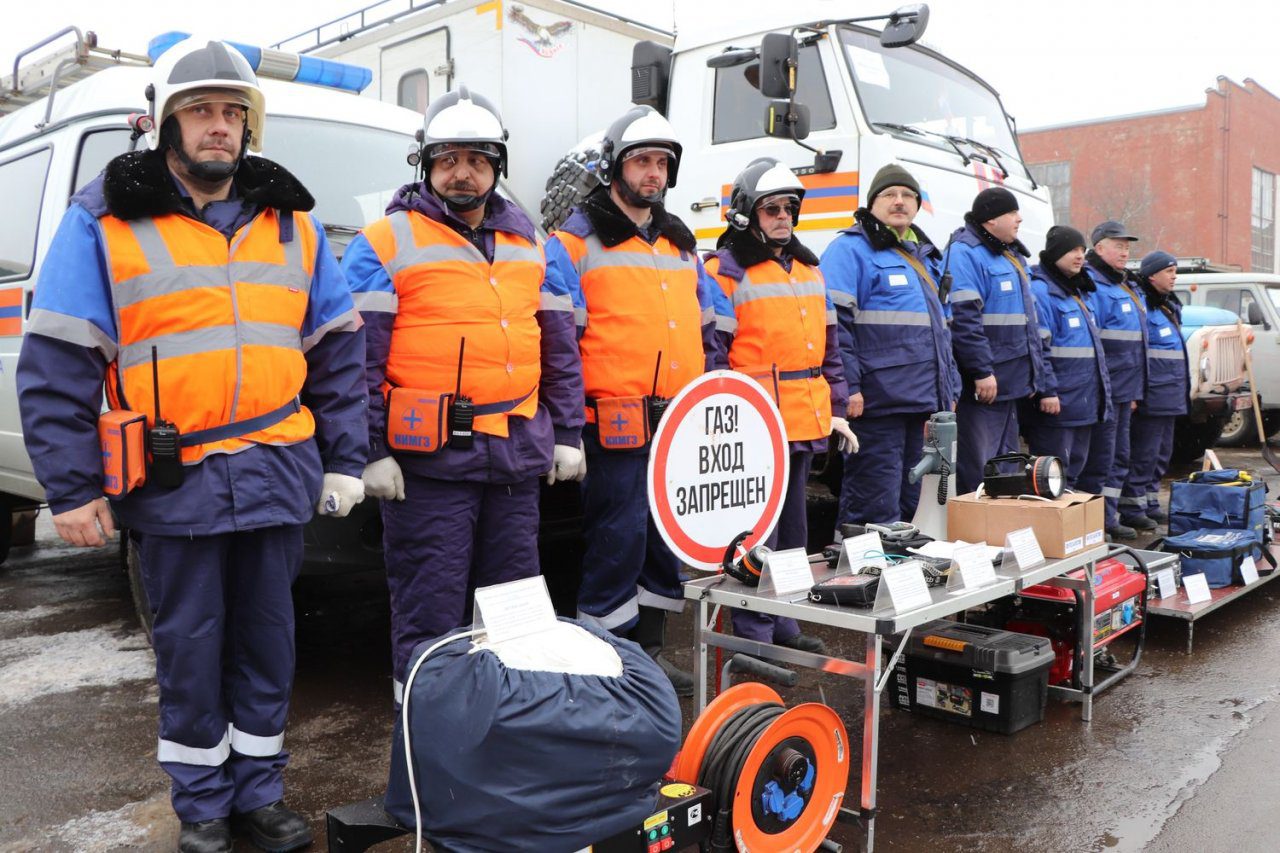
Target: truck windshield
{"x":1274,"y":293}
{"x":351,"y":190}
{"x":906,"y":90}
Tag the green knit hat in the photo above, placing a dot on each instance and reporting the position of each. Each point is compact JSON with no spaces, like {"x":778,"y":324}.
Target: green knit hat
{"x":891,"y":175}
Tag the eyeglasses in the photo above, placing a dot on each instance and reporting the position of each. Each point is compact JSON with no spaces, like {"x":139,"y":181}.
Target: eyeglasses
{"x":775,"y":209}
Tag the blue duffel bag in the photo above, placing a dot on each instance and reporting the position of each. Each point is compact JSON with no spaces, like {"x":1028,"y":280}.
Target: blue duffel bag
{"x":1214,"y":552}
{"x":509,"y":759}
{"x":1229,"y":499}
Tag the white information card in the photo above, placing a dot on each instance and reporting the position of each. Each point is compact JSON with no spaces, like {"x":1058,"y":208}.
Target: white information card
{"x":514,"y":609}
{"x":902,"y":588}
{"x":1197,"y":587}
{"x":970,"y":567}
{"x":786,"y":573}
{"x":1165,"y":581}
{"x":1024,"y":548}
{"x":858,"y":552}
{"x":1248,"y":570}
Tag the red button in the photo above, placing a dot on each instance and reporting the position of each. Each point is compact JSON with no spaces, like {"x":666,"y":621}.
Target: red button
{"x":655,"y":847}
{"x":668,"y":843}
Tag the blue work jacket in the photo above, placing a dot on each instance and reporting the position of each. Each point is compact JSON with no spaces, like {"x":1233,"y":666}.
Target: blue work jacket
{"x":1076,"y":369}
{"x":1121,"y":317}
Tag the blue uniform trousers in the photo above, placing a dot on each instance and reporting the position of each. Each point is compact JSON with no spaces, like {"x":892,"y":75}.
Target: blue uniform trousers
{"x":985,"y":430}
{"x":875,"y":486}
{"x":223,"y":639}
{"x":1152,"y":445}
{"x":792,"y":531}
{"x":1108,"y":463}
{"x":626,"y":564}
{"x":1070,"y":444}
{"x":442,"y":542}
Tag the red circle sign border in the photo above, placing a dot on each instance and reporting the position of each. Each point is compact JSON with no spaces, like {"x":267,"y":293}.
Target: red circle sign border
{"x":716,"y":382}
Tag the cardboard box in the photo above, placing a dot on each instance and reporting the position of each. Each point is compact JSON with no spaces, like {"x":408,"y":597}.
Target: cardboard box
{"x":1064,"y":527}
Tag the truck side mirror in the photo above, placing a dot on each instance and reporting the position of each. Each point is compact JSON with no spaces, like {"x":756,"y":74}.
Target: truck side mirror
{"x":650,"y":75}
{"x":905,"y":26}
{"x":1253,"y":315}
{"x":779,"y":58}
{"x":786,"y":120}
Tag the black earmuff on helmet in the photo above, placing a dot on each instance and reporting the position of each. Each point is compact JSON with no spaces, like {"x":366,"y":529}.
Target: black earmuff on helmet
{"x":750,"y":565}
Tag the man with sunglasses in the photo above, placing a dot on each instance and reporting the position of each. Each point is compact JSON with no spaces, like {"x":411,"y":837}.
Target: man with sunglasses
{"x":786,"y":338}
{"x":883,"y":276}
{"x":998,"y":348}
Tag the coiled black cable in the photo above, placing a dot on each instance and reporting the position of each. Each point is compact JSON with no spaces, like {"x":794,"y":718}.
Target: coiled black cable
{"x":722,"y":765}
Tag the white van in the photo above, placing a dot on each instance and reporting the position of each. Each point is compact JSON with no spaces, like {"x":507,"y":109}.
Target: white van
{"x":69,"y":117}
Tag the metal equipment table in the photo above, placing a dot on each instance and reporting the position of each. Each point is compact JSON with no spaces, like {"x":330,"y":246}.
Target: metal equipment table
{"x":1178,"y":607}
{"x":716,"y":591}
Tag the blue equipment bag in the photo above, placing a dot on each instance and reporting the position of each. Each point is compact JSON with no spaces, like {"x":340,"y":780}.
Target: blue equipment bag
{"x":511,"y":760}
{"x":1230,"y":499}
{"x":1217,"y":553}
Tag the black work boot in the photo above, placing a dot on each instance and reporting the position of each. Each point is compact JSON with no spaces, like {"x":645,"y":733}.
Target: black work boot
{"x":205,"y":836}
{"x":649,"y":635}
{"x":1139,"y":522}
{"x":803,"y":643}
{"x":1121,"y":532}
{"x":275,"y":828}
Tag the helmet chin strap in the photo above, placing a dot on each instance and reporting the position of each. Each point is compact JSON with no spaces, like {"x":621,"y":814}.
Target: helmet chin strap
{"x":209,"y":171}
{"x":771,"y":242}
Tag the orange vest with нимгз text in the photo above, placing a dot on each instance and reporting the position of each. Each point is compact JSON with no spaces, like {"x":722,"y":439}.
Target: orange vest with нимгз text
{"x":782,"y":322}
{"x":226,"y":320}
{"x":641,"y":300}
{"x":447,"y":290}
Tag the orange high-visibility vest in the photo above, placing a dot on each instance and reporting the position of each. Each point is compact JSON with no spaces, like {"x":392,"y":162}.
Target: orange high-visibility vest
{"x":641,"y":300}
{"x":447,"y":290}
{"x":782,"y":322}
{"x":225,"y":318}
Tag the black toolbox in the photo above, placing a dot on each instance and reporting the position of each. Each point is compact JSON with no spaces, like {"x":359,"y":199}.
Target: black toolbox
{"x":983,"y":677}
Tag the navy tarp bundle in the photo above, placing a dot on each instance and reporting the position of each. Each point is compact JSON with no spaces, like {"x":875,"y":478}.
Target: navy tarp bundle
{"x":1215,"y":552}
{"x":508,"y":759}
{"x":1226,"y":499}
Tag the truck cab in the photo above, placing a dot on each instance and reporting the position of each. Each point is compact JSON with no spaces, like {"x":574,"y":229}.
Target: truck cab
{"x":834,"y":101}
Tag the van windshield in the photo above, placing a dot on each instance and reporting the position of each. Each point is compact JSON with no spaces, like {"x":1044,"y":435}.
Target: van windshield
{"x":908,"y":91}
{"x":352,"y":171}
{"x":1274,"y":293}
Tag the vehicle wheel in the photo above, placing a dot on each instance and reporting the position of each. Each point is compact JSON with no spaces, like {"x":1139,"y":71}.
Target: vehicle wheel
{"x":572,"y":178}
{"x":132,"y":565}
{"x":1239,"y":430}
{"x":1271,"y":423}
{"x":1191,"y":440}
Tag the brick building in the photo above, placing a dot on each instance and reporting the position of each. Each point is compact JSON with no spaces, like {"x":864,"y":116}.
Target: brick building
{"x":1196,"y":181}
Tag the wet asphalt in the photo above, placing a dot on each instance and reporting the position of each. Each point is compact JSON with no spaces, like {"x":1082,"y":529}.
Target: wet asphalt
{"x":1178,"y":757}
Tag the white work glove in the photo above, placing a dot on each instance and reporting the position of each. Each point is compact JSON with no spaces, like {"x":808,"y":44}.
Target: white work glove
{"x":566,"y":463}
{"x":848,"y":442}
{"x":339,"y":494}
{"x":383,"y":479}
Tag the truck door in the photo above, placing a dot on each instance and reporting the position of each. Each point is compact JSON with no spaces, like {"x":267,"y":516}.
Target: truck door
{"x":416,"y":69}
{"x":735,"y":136}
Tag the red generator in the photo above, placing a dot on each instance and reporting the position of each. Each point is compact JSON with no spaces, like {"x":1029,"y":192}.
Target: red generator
{"x":1119,"y":608}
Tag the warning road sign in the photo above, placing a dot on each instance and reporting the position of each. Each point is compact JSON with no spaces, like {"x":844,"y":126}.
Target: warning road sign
{"x":719,"y":466}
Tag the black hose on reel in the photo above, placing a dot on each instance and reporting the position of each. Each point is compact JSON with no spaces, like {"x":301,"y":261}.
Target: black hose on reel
{"x":724,"y":762}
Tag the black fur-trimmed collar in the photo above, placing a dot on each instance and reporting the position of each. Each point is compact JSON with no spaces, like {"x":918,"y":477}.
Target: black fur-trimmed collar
{"x":613,"y":226}
{"x":882,"y":237}
{"x":748,"y":250}
{"x":139,"y":184}
{"x":1109,"y":272}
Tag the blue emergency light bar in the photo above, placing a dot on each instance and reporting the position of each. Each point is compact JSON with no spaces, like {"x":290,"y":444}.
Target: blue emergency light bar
{"x":283,"y":66}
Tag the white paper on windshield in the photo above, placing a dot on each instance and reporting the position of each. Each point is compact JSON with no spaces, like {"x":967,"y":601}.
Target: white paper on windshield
{"x":514,"y":609}
{"x":869,"y":67}
{"x":1197,"y":587}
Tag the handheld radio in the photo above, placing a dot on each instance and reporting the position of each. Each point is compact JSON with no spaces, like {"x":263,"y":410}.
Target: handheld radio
{"x":656,"y":406}
{"x":163,"y":440}
{"x":462,"y":412}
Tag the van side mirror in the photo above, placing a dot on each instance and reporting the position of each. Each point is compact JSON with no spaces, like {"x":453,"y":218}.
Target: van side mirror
{"x":650,"y":75}
{"x":786,"y":120}
{"x":1254,"y":317}
{"x":905,"y":26}
{"x":779,"y":59}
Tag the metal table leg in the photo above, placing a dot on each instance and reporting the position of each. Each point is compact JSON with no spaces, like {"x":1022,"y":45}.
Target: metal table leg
{"x":700,"y":656}
{"x":870,"y":739}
